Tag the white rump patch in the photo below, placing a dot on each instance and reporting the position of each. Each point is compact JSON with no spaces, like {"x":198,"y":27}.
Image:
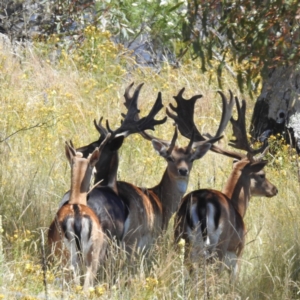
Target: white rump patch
{"x":194,"y":215}
{"x":86,"y":243}
{"x":213,"y":233}
{"x":126,"y":225}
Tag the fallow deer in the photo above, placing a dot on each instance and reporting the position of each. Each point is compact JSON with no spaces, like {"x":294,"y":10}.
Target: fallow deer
{"x":105,"y":199}
{"x":151,"y":209}
{"x":76,"y":232}
{"x":211,"y":221}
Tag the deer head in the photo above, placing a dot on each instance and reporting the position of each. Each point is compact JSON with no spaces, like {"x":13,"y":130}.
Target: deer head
{"x":81,"y":170}
{"x":106,"y":167}
{"x":248,"y":168}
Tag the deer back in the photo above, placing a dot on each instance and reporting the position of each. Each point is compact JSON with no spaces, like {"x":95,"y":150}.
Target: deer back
{"x":212,"y":213}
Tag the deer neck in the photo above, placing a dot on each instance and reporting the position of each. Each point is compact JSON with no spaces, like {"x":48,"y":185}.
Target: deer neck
{"x":170,"y":190}
{"x":80,"y":182}
{"x":112,"y":173}
{"x":237,"y":189}
{"x":105,"y":173}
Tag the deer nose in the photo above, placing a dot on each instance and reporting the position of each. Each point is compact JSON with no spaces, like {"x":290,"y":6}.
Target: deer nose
{"x":183,"y":172}
{"x":275,"y":191}
{"x":272,"y":192}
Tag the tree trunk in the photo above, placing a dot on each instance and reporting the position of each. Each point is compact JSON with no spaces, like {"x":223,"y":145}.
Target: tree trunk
{"x":277,"y":109}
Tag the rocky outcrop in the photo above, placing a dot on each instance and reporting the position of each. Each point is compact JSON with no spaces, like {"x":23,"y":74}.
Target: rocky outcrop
{"x":24,"y":19}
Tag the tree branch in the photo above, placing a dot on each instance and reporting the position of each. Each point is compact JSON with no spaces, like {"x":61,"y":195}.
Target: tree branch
{"x":42,"y":124}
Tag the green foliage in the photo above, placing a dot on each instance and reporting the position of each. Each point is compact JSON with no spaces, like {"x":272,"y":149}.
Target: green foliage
{"x":128,"y":19}
{"x":265,"y":34}
{"x":247,"y":37}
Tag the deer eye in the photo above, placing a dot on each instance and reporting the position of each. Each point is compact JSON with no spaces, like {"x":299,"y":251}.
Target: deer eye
{"x":262,"y":176}
{"x":170,"y":159}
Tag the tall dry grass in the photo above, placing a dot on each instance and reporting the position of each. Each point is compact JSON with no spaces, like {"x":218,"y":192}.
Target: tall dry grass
{"x":47,"y":99}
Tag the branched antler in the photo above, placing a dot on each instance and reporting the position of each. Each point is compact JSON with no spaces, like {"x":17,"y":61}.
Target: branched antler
{"x":184,"y":118}
{"x":226,"y":112}
{"x":240,"y":133}
{"x":147,"y":122}
{"x":241,"y":142}
{"x":131,"y":122}
{"x":102,"y":130}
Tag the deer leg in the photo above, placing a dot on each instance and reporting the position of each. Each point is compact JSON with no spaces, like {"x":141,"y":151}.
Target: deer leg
{"x":74,"y":263}
{"x":92,"y":260}
{"x":89,"y":278}
{"x":197,"y":245}
{"x":235,"y":262}
{"x":231,"y":262}
{"x":90,"y":272}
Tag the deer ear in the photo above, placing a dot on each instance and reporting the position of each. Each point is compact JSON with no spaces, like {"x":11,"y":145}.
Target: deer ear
{"x":70,"y":152}
{"x":94,"y":157}
{"x":160,"y":148}
{"x":258,"y":166}
{"x":200,"y":151}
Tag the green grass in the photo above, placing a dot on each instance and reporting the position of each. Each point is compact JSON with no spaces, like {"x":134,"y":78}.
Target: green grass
{"x":45,"y":102}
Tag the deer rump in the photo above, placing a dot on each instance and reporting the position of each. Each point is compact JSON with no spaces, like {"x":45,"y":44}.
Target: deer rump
{"x":212,"y":214}
{"x":77,"y":225}
{"x":108,"y":207}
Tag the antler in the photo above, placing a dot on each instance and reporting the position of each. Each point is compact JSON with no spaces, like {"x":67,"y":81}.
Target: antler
{"x":103,"y":131}
{"x":147,"y":122}
{"x":173,"y":141}
{"x":132,"y":99}
{"x":226,"y":112}
{"x":78,"y":153}
{"x":241,"y":141}
{"x":131,"y":122}
{"x":185,"y":117}
{"x":240,"y":134}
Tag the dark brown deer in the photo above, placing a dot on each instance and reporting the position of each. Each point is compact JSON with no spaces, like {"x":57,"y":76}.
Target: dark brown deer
{"x":151,"y":209}
{"x":76,"y":232}
{"x":105,"y":198}
{"x":211,"y":221}
{"x":148,"y":210}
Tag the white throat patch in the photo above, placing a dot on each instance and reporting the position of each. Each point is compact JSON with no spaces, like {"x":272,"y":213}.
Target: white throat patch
{"x":182,"y":185}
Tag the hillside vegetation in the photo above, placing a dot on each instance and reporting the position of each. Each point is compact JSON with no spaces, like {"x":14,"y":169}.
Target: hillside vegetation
{"x":49,"y":96}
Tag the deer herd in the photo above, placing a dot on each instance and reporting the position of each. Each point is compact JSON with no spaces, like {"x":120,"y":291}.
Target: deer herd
{"x":210,"y":221}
